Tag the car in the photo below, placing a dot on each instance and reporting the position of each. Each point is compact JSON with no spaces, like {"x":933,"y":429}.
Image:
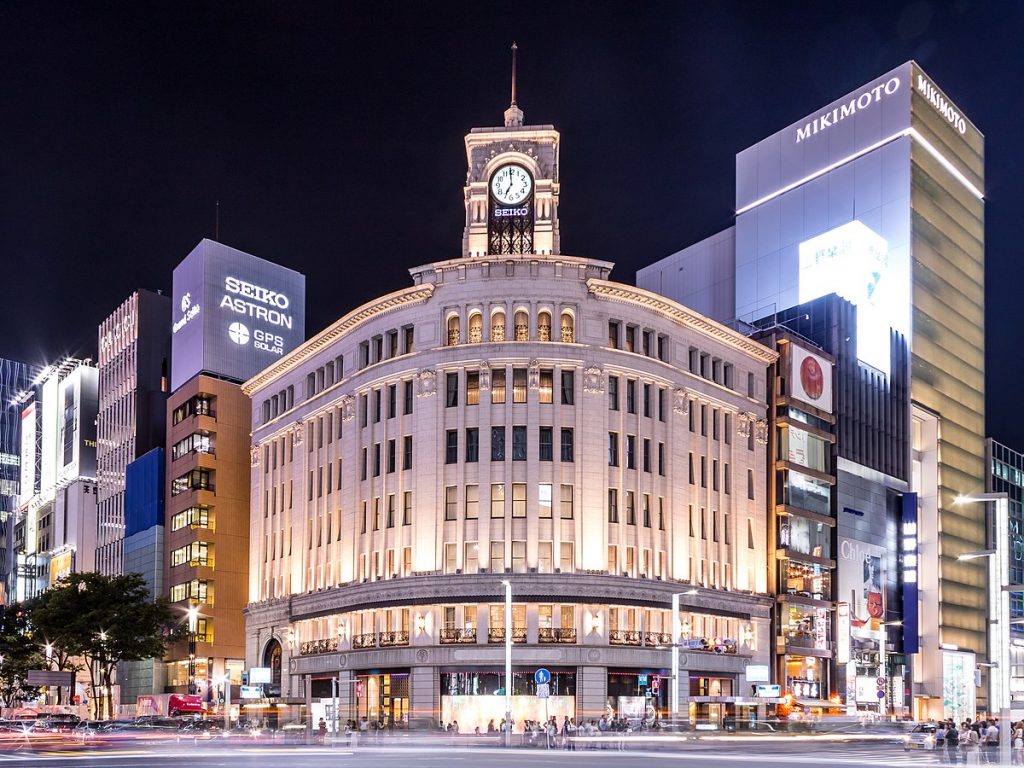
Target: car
{"x":201,"y":729}
{"x":922,"y":736}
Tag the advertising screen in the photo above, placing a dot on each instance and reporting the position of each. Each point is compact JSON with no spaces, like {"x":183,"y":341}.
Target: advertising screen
{"x":28,"y":453}
{"x":810,"y":378}
{"x":861,"y":585}
{"x":958,"y":692}
{"x":233,"y":314}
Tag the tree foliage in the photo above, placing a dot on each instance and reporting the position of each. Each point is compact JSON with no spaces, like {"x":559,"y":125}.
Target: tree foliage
{"x":104,"y":620}
{"x":19,"y":654}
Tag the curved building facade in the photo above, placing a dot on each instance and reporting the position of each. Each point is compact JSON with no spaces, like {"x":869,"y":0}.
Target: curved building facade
{"x":513,"y":415}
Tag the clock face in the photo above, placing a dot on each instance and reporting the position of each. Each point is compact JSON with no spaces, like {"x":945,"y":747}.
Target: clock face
{"x":511,"y":184}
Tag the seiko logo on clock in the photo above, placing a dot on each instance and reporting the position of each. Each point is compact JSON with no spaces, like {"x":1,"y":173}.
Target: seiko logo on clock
{"x":507,"y":212}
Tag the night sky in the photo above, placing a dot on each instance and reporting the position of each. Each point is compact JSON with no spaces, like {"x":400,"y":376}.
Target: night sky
{"x":331,"y":133}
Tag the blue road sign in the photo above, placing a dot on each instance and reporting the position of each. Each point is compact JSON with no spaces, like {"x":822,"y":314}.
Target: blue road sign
{"x":541,"y":676}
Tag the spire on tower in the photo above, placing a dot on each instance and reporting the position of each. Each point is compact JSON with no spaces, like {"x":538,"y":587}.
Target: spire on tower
{"x":513,"y":115}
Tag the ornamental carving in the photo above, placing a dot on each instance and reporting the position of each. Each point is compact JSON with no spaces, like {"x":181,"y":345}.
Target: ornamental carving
{"x":348,"y":407}
{"x":422,"y":655}
{"x":681,"y":402}
{"x":593,"y":380}
{"x":254,"y":456}
{"x":426,"y":383}
{"x":593,"y":655}
{"x":743,"y":425}
{"x":761,"y":431}
{"x":533,"y":374}
{"x":297,"y":434}
{"x":485,"y":377}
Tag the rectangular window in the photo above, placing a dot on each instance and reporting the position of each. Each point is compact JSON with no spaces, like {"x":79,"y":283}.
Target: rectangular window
{"x":714,"y":474}
{"x":703,"y":525}
{"x":647,"y":510}
{"x":714,"y":423}
{"x":613,"y":449}
{"x":631,"y":338}
{"x":518,"y":499}
{"x":565,"y":557}
{"x":546,"y":392}
{"x":613,"y":505}
{"x":566,"y":504}
{"x":691,"y":415}
{"x":407,"y":397}
{"x":691,"y":520}
{"x":726,"y":479}
{"x":647,"y":400}
{"x":376,"y":406}
{"x":544,"y":500}
{"x":519,"y":443}
{"x":497,"y":562}
{"x":725,"y":528}
{"x":750,"y":483}
{"x":451,"y":398}
{"x":613,"y":559}
{"x":391,"y":457}
{"x":451,"y":503}
{"x":472,"y":445}
{"x":613,"y":334}
{"x":450,"y":557}
{"x":630,"y":508}
{"x":630,"y":396}
{"x":498,"y":385}
{"x":451,"y":446}
{"x":518,"y":565}
{"x":703,"y":471}
{"x":472,"y":502}
{"x":703,"y":419}
{"x":714,"y":525}
{"x":497,"y":443}
{"x":630,"y":451}
{"x":471,"y":564}
{"x":661,"y":513}
{"x":407,"y":452}
{"x":497,"y":499}
{"x":613,"y":393}
{"x":544,"y":444}
{"x":407,"y":339}
{"x":390,"y":520}
{"x":662,"y":408}
{"x":392,"y":400}
{"x":727,"y":427}
{"x":472,"y":387}
{"x":544,"y":564}
{"x":407,"y":508}
{"x":376,"y":459}
{"x":691,"y":474}
{"x":568,"y":387}
{"x":661,"y":459}
{"x":567,"y":444}
{"x":518,"y":385}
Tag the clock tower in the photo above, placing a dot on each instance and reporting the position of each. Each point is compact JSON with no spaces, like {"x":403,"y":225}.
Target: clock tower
{"x":511,"y":188}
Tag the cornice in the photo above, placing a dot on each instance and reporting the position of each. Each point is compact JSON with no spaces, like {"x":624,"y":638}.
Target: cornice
{"x":628,"y":294}
{"x":595,"y":589}
{"x":389,"y":303}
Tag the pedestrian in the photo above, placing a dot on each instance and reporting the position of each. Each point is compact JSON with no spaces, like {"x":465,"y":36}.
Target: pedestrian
{"x":940,"y":735}
{"x":952,"y":741}
{"x":490,"y":725}
{"x":322,"y":730}
{"x":991,"y":739}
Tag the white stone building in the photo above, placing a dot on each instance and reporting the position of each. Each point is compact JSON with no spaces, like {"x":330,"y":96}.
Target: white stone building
{"x":514,"y":414}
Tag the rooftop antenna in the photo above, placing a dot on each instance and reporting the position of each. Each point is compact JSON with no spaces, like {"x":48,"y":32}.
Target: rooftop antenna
{"x":216,"y":222}
{"x":513,"y":115}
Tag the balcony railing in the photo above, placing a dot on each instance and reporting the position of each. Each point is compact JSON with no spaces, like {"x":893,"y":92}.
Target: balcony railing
{"x":804,"y":641}
{"x":556,"y":635}
{"x":313,"y":647}
{"x":366,"y":640}
{"x":711,"y":645}
{"x":457,"y":636}
{"x":657,"y":638}
{"x":623,"y":637}
{"x":394,"y":638}
{"x":497,"y":635}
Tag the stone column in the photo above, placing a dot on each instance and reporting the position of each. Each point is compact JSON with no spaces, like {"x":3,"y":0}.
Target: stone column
{"x":424,"y":697}
{"x":591,"y":692}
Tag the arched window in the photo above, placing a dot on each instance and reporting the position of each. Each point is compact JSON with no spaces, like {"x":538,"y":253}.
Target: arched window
{"x":498,"y":325}
{"x":568,"y":328}
{"x":543,"y":325}
{"x":453,"y":330}
{"x":476,"y":328}
{"x":522,"y":325}
{"x":272,"y":659}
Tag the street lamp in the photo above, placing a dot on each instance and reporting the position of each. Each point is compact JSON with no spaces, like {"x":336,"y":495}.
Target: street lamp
{"x":193,"y":626}
{"x":676,"y":631}
{"x":508,"y":662}
{"x":999,"y":612}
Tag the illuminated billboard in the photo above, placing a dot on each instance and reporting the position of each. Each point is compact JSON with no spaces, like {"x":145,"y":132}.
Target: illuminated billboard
{"x":810,"y":379}
{"x":233,"y":314}
{"x":28,"y":454}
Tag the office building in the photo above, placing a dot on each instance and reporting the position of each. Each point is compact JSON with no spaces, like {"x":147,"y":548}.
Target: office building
{"x":134,"y":380}
{"x":878,"y":197}
{"x":15,"y":379}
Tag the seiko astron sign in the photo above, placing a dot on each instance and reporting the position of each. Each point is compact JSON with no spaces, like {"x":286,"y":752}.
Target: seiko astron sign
{"x":233,"y":314}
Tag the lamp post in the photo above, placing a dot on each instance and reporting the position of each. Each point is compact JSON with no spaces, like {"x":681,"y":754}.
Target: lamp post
{"x":999,"y":588}
{"x":676,"y":631}
{"x":508,"y":662}
{"x":193,"y":626}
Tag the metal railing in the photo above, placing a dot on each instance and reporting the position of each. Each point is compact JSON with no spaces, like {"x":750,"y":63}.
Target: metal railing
{"x":457,"y":636}
{"x":556,"y":635}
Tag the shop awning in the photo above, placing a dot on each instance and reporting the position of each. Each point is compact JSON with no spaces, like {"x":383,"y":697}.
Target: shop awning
{"x":818,"y":703}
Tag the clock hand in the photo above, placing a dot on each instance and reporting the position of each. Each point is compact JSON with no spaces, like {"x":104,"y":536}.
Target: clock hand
{"x":509,"y":188}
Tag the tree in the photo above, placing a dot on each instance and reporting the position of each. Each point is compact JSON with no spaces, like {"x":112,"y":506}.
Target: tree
{"x":18,"y":654}
{"x":104,"y":620}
